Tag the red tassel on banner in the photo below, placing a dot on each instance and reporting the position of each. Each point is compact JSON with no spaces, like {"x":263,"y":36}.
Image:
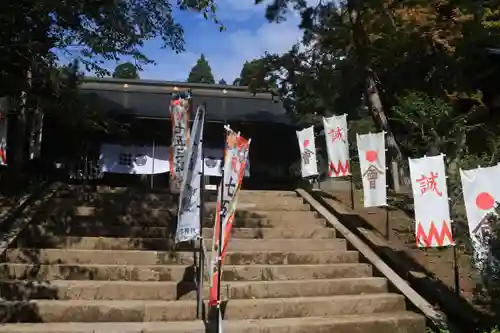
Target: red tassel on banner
{"x":344,"y":169}
{"x":434,"y":234}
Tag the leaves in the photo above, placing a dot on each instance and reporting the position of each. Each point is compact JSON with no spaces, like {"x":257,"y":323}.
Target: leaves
{"x":36,"y":33}
{"x":201,"y":72}
{"x":126,"y":71}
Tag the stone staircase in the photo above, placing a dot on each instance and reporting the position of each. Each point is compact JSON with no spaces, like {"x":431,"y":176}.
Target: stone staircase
{"x":108,"y":264}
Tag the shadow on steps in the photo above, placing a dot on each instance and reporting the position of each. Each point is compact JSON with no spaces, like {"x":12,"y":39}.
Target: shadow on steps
{"x":458,"y":309}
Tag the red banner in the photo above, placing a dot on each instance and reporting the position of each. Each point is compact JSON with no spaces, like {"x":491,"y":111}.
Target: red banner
{"x":235,"y":159}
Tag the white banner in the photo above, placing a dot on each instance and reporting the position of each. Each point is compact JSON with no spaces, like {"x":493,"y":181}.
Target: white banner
{"x":481,"y":194}
{"x":3,"y":137}
{"x":337,"y":146}
{"x":430,"y":198}
{"x":371,"y":150}
{"x":213,"y":162}
{"x":143,"y":160}
{"x":188,"y":216}
{"x":179,"y":115}
{"x":309,"y":166}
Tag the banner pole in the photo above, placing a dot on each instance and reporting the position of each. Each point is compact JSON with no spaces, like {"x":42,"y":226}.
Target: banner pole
{"x":352,"y":192}
{"x":219,"y":247}
{"x":201,"y":256}
{"x":387,"y":222}
{"x":456,"y":267}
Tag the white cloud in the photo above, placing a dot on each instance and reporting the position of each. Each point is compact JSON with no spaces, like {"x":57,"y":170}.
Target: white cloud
{"x":247,"y":45}
{"x":233,"y":49}
{"x":171,"y":67}
{"x":239,"y":10}
{"x":227,"y":51}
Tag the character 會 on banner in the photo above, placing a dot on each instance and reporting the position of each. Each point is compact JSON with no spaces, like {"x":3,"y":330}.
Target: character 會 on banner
{"x":372,"y":174}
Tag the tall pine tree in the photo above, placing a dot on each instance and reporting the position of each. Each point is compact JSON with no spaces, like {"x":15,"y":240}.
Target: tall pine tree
{"x":201,"y":72}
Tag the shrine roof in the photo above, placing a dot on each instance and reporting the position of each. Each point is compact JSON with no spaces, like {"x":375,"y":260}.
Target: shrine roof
{"x":151,"y":99}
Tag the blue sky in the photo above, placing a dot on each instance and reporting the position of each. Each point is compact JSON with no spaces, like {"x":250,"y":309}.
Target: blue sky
{"x":248,"y":36}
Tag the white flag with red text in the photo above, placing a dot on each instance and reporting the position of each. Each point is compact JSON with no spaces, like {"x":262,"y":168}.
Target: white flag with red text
{"x":309,"y":165}
{"x":337,"y":146}
{"x":481,"y":194}
{"x":371,"y":150}
{"x":430,"y":198}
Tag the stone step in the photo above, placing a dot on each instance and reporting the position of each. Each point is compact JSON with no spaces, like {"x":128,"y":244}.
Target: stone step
{"x":170,"y":291}
{"x":139,"y":311}
{"x":267,"y":193}
{"x":130,"y":257}
{"x":14,"y":271}
{"x":166,"y":218}
{"x":394,"y":322}
{"x":107,"y":205}
{"x":236,"y":244}
{"x":78,"y":194}
{"x":36,"y":230}
{"x":65,"y":205}
{"x":163,"y":195}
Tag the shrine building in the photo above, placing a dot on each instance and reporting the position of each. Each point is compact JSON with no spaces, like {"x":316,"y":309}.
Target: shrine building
{"x":143,"y":105}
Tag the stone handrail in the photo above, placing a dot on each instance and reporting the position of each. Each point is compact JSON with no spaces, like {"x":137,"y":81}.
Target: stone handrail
{"x":437,"y":318}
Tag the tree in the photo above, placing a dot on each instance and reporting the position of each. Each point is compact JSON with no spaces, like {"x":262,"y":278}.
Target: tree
{"x":222,"y":82}
{"x":379,"y":48}
{"x":257,"y":75}
{"x":107,"y":32}
{"x":249,"y":72}
{"x":126,"y":71}
{"x":201,"y":72}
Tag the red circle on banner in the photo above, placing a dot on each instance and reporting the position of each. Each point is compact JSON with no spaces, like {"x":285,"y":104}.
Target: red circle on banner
{"x":371,"y":156}
{"x":485,"y":201}
{"x":306,"y":143}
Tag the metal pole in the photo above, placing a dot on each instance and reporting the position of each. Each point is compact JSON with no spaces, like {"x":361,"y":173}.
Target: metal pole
{"x":219,"y":248}
{"x":153,"y":168}
{"x":201,"y":256}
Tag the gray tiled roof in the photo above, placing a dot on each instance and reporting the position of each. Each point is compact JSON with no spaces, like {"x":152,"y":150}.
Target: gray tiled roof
{"x":152,"y":101}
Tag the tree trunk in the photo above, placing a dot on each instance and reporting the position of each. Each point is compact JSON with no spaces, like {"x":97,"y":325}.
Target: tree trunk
{"x":371,"y":92}
{"x":16,"y":164}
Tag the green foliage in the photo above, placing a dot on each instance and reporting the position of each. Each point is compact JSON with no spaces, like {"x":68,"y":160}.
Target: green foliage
{"x":126,"y":71}
{"x":35,"y":33}
{"x":437,"y":48}
{"x":106,"y":32}
{"x":74,"y":117}
{"x":254,"y":75}
{"x":201,"y":72}
{"x":222,"y":82}
{"x":432,"y":124}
